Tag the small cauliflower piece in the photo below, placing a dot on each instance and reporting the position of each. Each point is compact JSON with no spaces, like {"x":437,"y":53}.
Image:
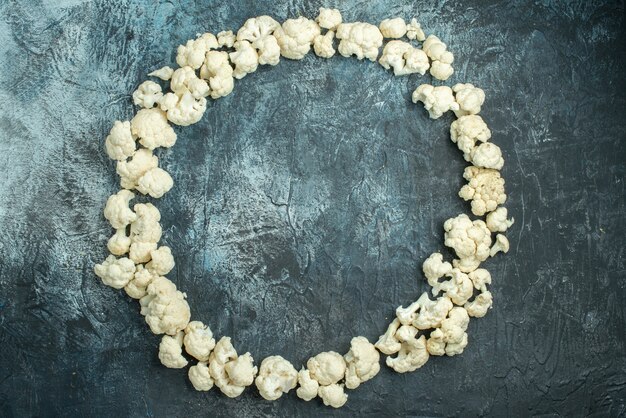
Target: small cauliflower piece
{"x":199,"y":340}
{"x":155,"y":182}
{"x":117,"y":211}
{"x":140,"y":252}
{"x":257,"y":28}
{"x":119,"y":243}
{"x":241,"y":371}
{"x":327,"y":367}
{"x":442,"y":59}
{"x":323,"y":45}
{"x":497,"y":220}
{"x":359,"y":39}
{"x":147,"y":94}
{"x":295,"y":37}
{"x":171,"y":352}
{"x":308,"y":386}
{"x":487,"y":155}
{"x":404,"y":58}
{"x":431,"y":312}
{"x":451,"y":338}
{"x":414,"y":31}
{"x":245,"y":59}
{"x":437,"y":100}
{"x":329,"y":18}
{"x":165,"y":307}
{"x":146,"y":228}
{"x":485,"y":189}
{"x":258,"y":32}
{"x":200,"y":377}
{"x":161,"y":261}
{"x":412,"y":355}
{"x":115,"y":272}
{"x":269,"y":50}
{"x":193,"y":52}
{"x":333,"y":395}
{"x":164,"y":73}
{"x":362,"y":362}
{"x":226,"y":38}
{"x":183,"y":110}
{"x":501,"y":245}
{"x":219,"y":73}
{"x":130,"y":171}
{"x":435,"y":268}
{"x":152,"y":129}
{"x":185,"y":80}
{"x":276,"y":376}
{"x":466,"y":131}
{"x":393,"y":28}
{"x":469,"y":239}
{"x":136,"y":288}
{"x":120,"y":143}
{"x":459,"y":288}
{"x":469,"y":98}
{"x":480,"y":305}
{"x":480,"y":279}
{"x":388,"y":343}
{"x":230,"y":372}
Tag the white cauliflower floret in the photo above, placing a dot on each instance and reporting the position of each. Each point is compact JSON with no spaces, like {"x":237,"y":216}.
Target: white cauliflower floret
{"x":117,"y":211}
{"x":469,"y":239}
{"x":257,"y":28}
{"x":485,"y":188}
{"x":230,"y":372}
{"x":152,"y":129}
{"x":431,"y":312}
{"x":164,"y":73}
{"x":185,"y":80}
{"x":437,"y":100}
{"x":140,"y":252}
{"x":451,"y":338}
{"x":329,"y":18}
{"x":258,"y":32}
{"x":466,"y":131}
{"x":480,"y":305}
{"x":295,"y":37}
{"x":269,"y":50}
{"x":199,"y":340}
{"x":171,"y":351}
{"x":155,"y":182}
{"x":497,"y":220}
{"x":185,"y":110}
{"x":146,"y":228}
{"x":469,"y":98}
{"x":136,"y":288}
{"x":147,"y":94}
{"x":441,"y":70}
{"x":393,"y":28}
{"x":359,"y":39}
{"x":219,"y":73}
{"x":241,"y":371}
{"x":459,"y":288}
{"x":200,"y":377}
{"x":245,"y":59}
{"x":412,"y":356}
{"x":120,"y":143}
{"x":487,"y":155}
{"x":165,"y":307}
{"x":414,"y":31}
{"x":441,"y":66}
{"x":327,"y":367}
{"x":276,"y":376}
{"x":130,"y":171}
{"x":115,"y":272}
{"x":161,"y":261}
{"x":362,"y":362}
{"x":501,"y":245}
{"x":388,"y":343}
{"x":404,"y":58}
{"x":480,"y":279}
{"x":323,"y":45}
{"x":308,"y":386}
{"x":226,"y":38}
{"x":435,"y":268}
{"x":119,"y":243}
{"x":333,"y":395}
{"x":192,"y":53}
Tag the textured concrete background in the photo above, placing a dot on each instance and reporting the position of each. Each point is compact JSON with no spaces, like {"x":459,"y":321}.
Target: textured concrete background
{"x":305,"y":203}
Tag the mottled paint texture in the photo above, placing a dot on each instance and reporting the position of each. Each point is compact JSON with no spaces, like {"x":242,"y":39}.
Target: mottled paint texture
{"x":305,"y":203}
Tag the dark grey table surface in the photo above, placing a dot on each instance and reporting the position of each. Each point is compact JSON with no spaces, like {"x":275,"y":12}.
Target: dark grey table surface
{"x":305,"y":203}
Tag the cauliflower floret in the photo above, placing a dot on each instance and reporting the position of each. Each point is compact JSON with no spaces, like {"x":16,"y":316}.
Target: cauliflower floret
{"x":162,"y":261}
{"x":146,"y":228}
{"x":323,"y":45}
{"x":441,"y":66}
{"x":152,"y":129}
{"x":269,"y":50}
{"x":117,"y":211}
{"x":276,"y":376}
{"x":226,"y":38}
{"x":393,"y":28}
{"x":258,"y":32}
{"x":441,"y":70}
{"x":412,"y":356}
{"x":485,"y":188}
{"x":466,"y":131}
{"x":245,"y":59}
{"x":480,"y":279}
{"x":431,"y":312}
{"x":192,"y":53}
{"x":185,"y":80}
{"x":333,"y":395}
{"x":200,"y":377}
{"x":295,"y":37}
{"x":185,"y":110}
{"x":327,"y":367}
{"x":388,"y":343}
{"x":469,"y":98}
{"x":480,"y":305}
{"x":147,"y":94}
{"x":459,"y":288}
{"x":451,"y":338}
{"x":497,"y":220}
{"x":131,"y":171}
{"x":165,"y":307}
{"x":437,"y":100}
{"x":115,"y":272}
{"x":404,"y":58}
{"x":164,"y":73}
{"x":120,"y":143}
{"x":218,"y":71}
{"x":469,"y":239}
{"x":140,"y":252}
{"x":435,"y":268}
{"x":487,"y":155}
{"x":199,"y":340}
{"x":155,"y":182}
{"x":257,"y":28}
{"x":231,"y":373}
{"x":414,"y":31}
{"x":329,"y":18}
{"x":171,"y":351}
{"x":362,"y":362}
{"x":119,"y":243}
{"x":308,"y":386}
{"x":359,"y":39}
{"x":136,"y":288}
{"x":501,"y":245}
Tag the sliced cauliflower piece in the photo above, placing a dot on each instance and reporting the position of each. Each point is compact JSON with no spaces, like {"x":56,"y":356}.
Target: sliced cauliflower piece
{"x":308,"y":386}
{"x":130,"y":171}
{"x":412,"y":355}
{"x":393,"y":28}
{"x":501,"y":245}
{"x":199,"y":340}
{"x":359,"y":39}
{"x":185,"y":80}
{"x":469,"y":239}
{"x":414,"y":31}
{"x":245,"y":59}
{"x":487,"y":155}
{"x":115,"y":272}
{"x":183,"y":110}
{"x":437,"y":100}
{"x":295,"y":37}
{"x":117,"y":211}
{"x":329,"y":18}
{"x":435,"y":268}
{"x":152,"y":129}
{"x":327,"y":367}
{"x":485,"y":188}
{"x":219,"y":73}
{"x":404,"y":58}
{"x":147,"y":94}
{"x":451,"y":338}
{"x":230,"y":372}
{"x":388,"y":343}
{"x":362,"y":362}
{"x":466,"y":131}
{"x":165,"y":307}
{"x":200,"y":377}
{"x":226,"y":38}
{"x":276,"y":376}
{"x":120,"y":143}
{"x":155,"y":182}
{"x":164,"y":73}
{"x":469,"y":98}
{"x":119,"y":243}
{"x":323,"y":45}
{"x":442,"y":59}
{"x":497,"y":220}
{"x":333,"y":395}
{"x":193,"y":52}
{"x":136,"y":288}
{"x":161,"y":261}
{"x":431,"y":312}
{"x":171,"y":351}
{"x":480,"y":305}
